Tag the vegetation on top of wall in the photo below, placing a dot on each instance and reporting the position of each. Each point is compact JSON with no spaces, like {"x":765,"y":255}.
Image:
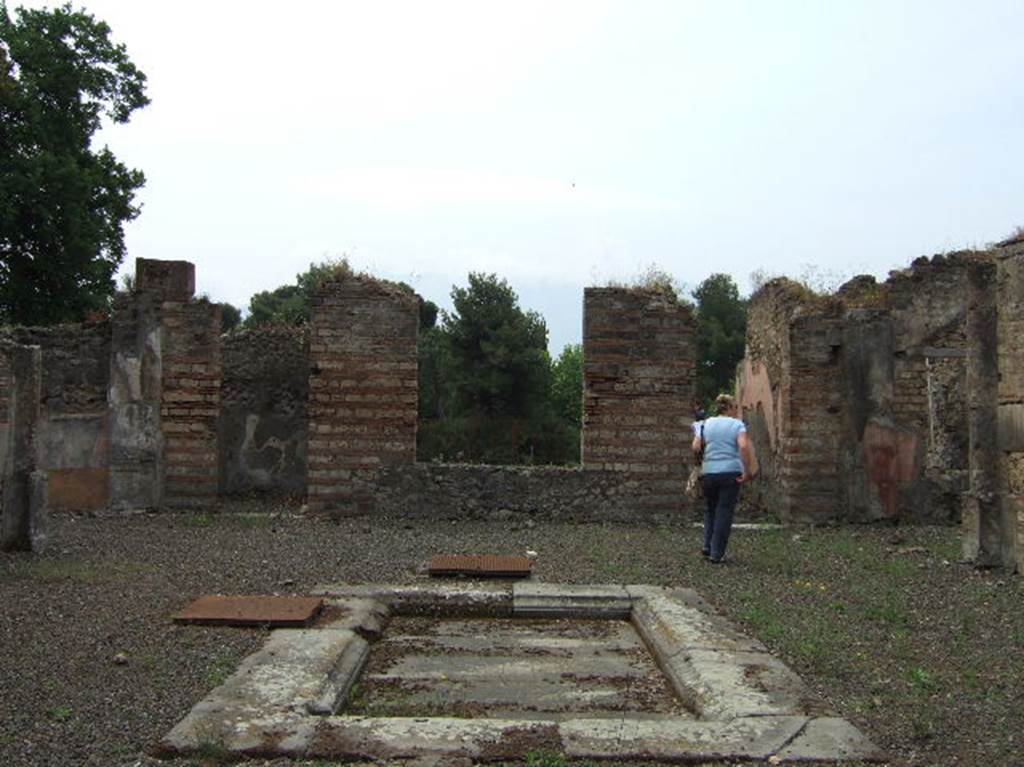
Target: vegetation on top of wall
{"x":654,"y":280}
{"x":291,"y":304}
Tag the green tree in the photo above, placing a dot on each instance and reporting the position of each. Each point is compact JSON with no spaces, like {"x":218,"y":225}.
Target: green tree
{"x":567,"y":385}
{"x":62,"y":204}
{"x":721,"y":334}
{"x":499,"y":352}
{"x":230,"y":317}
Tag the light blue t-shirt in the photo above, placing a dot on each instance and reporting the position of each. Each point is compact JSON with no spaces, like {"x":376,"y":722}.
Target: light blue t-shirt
{"x":721,"y":455}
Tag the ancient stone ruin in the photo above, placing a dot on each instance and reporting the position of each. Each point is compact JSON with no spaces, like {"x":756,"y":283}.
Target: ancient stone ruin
{"x":153,"y":407}
{"x":900,"y":401}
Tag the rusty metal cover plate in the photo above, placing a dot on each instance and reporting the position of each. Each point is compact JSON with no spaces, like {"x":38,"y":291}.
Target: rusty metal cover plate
{"x":480,"y":564}
{"x":251,"y":611}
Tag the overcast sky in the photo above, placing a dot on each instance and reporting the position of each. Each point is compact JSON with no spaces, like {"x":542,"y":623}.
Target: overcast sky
{"x":563,"y":144}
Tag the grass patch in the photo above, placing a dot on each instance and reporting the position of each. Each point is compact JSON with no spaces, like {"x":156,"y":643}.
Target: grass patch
{"x":544,"y":758}
{"x":76,"y":570}
{"x":60,"y":713}
{"x":221,"y":667}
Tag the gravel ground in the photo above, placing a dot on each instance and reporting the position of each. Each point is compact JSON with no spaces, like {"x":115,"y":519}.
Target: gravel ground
{"x":926,"y":655}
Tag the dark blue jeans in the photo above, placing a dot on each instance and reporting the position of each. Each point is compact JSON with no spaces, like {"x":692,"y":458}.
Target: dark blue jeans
{"x":721,"y":491}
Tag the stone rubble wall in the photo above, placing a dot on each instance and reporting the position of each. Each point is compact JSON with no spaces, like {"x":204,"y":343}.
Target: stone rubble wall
{"x":263,"y":418}
{"x":362,"y":391}
{"x":639,"y":392}
{"x":518,"y":493}
{"x":72,"y":436}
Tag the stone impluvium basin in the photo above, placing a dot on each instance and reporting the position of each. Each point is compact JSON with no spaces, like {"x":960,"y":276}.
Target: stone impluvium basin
{"x":492,"y":672}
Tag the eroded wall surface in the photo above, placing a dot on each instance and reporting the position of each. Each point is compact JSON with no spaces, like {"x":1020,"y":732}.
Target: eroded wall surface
{"x":263,"y":419}
{"x":857,"y":401}
{"x":22,"y":487}
{"x":72,"y":436}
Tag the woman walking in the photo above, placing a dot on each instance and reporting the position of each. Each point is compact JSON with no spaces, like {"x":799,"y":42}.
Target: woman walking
{"x":728,"y":463}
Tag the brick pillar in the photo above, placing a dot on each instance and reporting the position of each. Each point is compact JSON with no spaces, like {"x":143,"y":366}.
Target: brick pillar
{"x":812,"y":427}
{"x":638,"y":391}
{"x":986,"y":532}
{"x":22,"y":488}
{"x":362,"y":390}
{"x":191,"y":402}
{"x":164,"y":391}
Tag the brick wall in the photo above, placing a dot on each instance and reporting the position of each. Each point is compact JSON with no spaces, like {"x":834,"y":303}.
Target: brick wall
{"x":639,"y":391}
{"x":190,"y":402}
{"x":362,"y":390}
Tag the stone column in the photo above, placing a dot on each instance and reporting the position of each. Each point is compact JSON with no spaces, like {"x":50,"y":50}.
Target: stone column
{"x":985,"y":526}
{"x":638,"y":392}
{"x":23,"y":488}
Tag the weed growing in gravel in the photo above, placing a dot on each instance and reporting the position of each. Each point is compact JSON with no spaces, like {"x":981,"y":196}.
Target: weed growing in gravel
{"x":202,"y":519}
{"x":221,"y":666}
{"x":544,"y":758}
{"x":60,"y":713}
{"x":922,"y":681}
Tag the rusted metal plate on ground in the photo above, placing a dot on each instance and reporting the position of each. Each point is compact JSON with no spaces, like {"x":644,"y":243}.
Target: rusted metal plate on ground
{"x":481,"y":565}
{"x":251,"y":611}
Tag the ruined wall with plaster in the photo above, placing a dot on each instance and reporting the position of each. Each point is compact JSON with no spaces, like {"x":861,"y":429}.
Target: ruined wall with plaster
{"x":764,"y":391}
{"x":362,"y":390}
{"x":856,"y":400}
{"x":263,"y":418}
{"x":639,"y":391}
{"x":72,"y":436}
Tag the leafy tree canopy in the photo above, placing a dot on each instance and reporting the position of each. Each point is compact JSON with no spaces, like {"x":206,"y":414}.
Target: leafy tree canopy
{"x":721,"y":335}
{"x":567,"y":385}
{"x":498,"y":351}
{"x":62,"y":204}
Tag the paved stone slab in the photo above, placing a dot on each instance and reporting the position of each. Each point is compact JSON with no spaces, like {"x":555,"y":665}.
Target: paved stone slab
{"x":553,"y":599}
{"x":670,"y":626}
{"x":513,"y":668}
{"x":748,"y":738}
{"x":295,"y":670}
{"x":366,"y":617}
{"x":835,"y":737}
{"x":405,"y":738}
{"x":468,"y":599}
{"x":723,"y":684}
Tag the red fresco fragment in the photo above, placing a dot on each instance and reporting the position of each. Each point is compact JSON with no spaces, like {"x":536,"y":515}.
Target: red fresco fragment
{"x":889,"y":455}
